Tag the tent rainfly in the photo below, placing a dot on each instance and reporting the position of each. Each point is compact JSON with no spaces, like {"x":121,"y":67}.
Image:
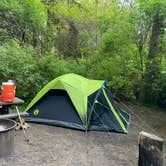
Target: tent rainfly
{"x":76,"y":102}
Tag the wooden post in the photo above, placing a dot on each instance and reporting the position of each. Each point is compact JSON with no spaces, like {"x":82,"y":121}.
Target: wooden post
{"x":150,"y":150}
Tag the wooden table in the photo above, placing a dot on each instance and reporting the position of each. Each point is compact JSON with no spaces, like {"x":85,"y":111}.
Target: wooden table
{"x":16,"y":101}
{"x":5,"y":108}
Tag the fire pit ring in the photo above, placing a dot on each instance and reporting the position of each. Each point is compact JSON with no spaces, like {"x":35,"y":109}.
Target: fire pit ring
{"x":7,"y":127}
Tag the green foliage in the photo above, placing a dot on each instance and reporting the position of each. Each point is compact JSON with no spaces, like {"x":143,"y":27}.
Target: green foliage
{"x":155,"y":11}
{"x":51,"y":66}
{"x":4,"y":37}
{"x":98,"y":39}
{"x":24,"y":20}
{"x":17,"y":64}
{"x":123,"y":87}
{"x":119,"y":34}
{"x":34,"y":14}
{"x":160,"y":89}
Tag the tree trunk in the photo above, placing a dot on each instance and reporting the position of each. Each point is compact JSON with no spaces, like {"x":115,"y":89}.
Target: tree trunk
{"x":154,"y":60}
{"x":72,"y":40}
{"x":141,"y":60}
{"x":150,"y":150}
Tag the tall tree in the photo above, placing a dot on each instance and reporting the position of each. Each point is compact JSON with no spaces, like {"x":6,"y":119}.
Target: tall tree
{"x":24,"y":20}
{"x":153,"y":65}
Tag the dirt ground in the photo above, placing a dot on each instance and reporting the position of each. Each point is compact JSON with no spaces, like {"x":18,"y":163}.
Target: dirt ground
{"x":57,"y":146}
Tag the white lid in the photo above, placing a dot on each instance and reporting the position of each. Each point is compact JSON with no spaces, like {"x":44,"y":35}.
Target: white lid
{"x":8,"y":83}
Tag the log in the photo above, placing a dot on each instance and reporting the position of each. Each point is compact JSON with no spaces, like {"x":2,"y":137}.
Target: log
{"x":150,"y":149}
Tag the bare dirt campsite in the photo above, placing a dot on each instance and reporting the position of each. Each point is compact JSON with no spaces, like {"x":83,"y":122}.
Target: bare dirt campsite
{"x":51,"y":146}
{"x":69,"y":63}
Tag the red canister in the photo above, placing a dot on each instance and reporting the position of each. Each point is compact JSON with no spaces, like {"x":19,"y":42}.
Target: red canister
{"x":8,"y":91}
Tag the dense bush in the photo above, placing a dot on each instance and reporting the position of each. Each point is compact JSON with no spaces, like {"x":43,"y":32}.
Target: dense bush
{"x":31,"y":74}
{"x":18,"y":64}
{"x":161,"y":91}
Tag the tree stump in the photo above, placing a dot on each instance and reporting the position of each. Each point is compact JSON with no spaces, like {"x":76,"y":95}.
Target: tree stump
{"x":150,"y":150}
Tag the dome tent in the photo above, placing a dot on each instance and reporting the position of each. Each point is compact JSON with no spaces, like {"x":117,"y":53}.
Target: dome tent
{"x":76,"y":102}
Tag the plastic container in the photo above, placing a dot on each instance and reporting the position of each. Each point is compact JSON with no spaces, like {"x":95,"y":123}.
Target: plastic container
{"x":8,"y":91}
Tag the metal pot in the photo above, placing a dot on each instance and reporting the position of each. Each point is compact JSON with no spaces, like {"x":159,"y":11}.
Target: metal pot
{"x":7,"y":127}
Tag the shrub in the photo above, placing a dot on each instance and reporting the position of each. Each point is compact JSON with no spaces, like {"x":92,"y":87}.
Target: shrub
{"x":160,"y":90}
{"x":19,"y":65}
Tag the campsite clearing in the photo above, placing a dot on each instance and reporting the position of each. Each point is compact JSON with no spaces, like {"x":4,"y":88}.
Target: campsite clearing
{"x":51,"y":146}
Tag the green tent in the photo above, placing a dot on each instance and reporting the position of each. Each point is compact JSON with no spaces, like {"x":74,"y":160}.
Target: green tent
{"x":76,"y":102}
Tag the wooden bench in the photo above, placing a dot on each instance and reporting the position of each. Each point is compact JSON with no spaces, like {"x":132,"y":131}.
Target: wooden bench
{"x":6,"y":111}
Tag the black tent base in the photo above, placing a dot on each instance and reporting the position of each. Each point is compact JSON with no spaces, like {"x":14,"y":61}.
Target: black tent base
{"x":55,"y":123}
{"x":69,"y":125}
